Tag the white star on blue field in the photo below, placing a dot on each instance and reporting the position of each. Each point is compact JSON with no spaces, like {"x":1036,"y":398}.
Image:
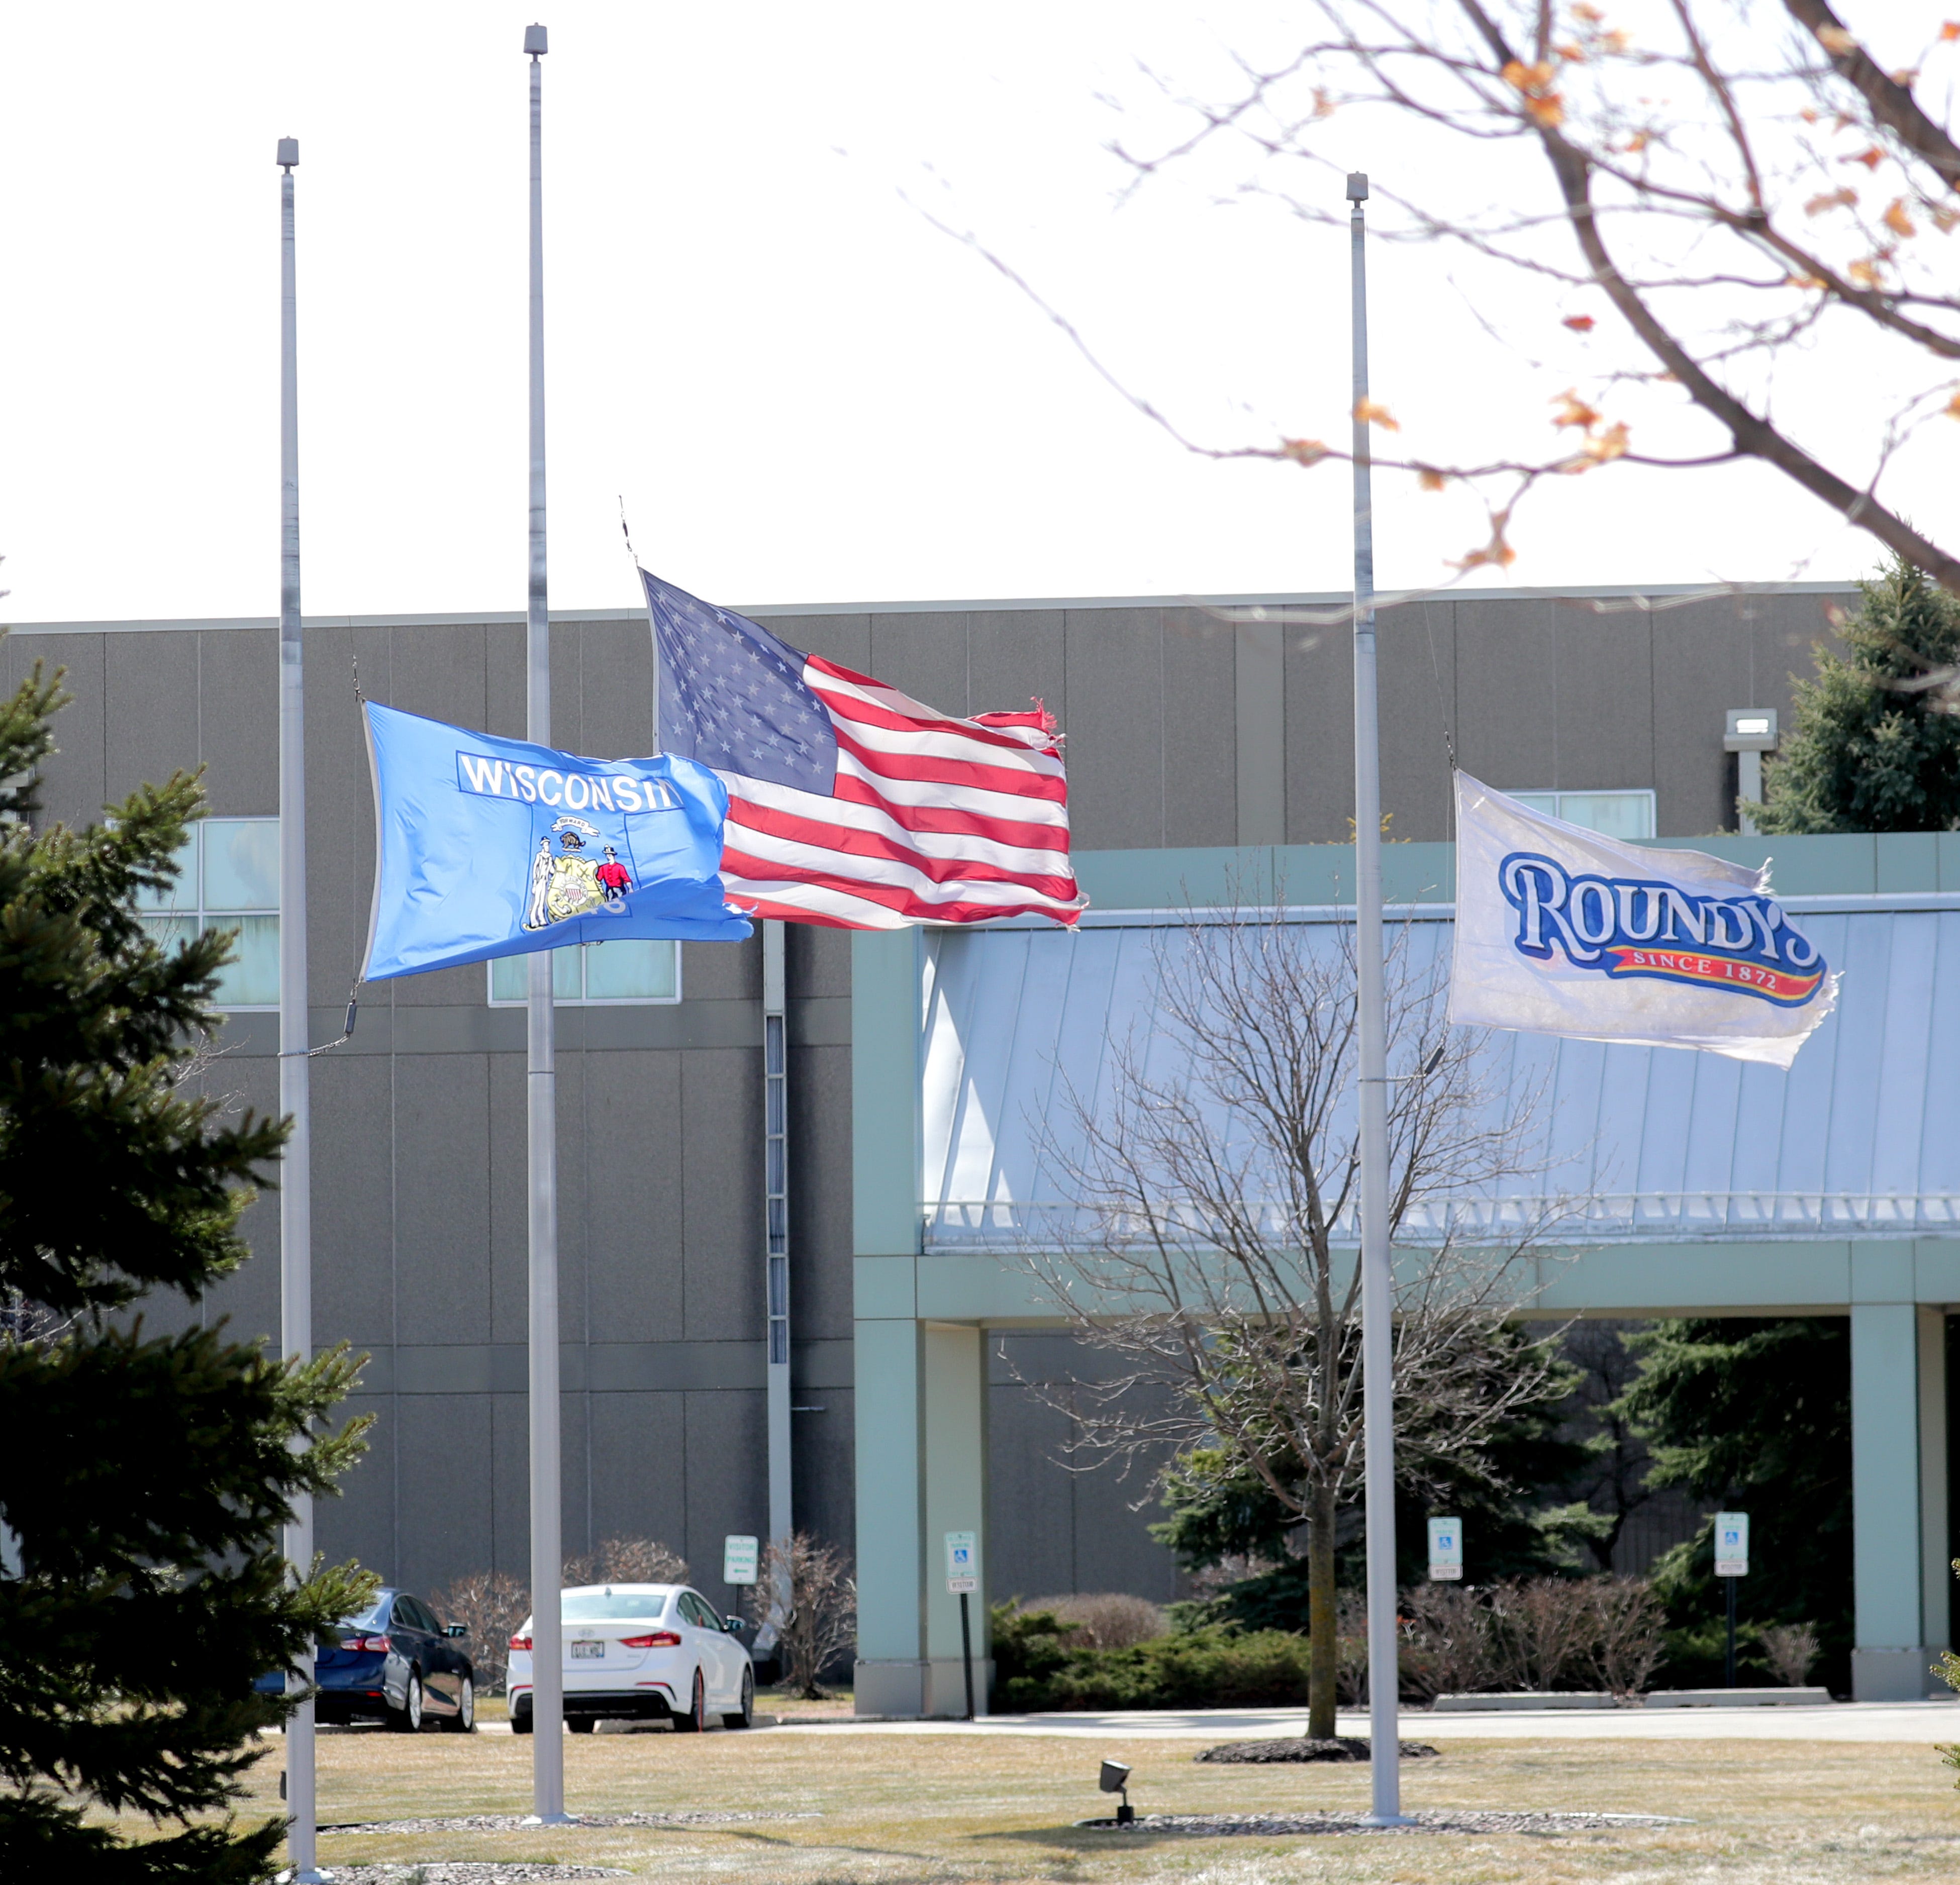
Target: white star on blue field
{"x":732,"y":696}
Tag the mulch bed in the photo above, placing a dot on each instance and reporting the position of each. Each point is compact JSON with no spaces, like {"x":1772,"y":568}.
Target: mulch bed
{"x":1297,"y":1747}
{"x":1210,"y":1825}
{"x":514,"y":1822}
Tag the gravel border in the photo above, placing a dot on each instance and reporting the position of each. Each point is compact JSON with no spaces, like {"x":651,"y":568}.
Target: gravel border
{"x":468,"y":1872}
{"x":1297,"y":1747}
{"x":1206,"y":1826}
{"x":515,"y":1823}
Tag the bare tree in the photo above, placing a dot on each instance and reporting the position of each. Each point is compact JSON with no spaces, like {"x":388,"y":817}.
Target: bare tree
{"x":490,"y":1605}
{"x":805,"y":1590}
{"x":1742,"y":191}
{"x":1209,"y":1241}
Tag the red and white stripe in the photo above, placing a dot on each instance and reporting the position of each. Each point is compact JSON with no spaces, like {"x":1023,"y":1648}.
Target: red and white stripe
{"x":932,"y":820}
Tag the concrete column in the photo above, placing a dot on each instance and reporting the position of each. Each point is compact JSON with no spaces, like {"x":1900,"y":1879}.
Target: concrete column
{"x":1898,"y":1413}
{"x":955,"y":1500}
{"x":891,"y":1671}
{"x":889,"y":1402}
{"x":921,"y":1401}
{"x":1936,"y":1593}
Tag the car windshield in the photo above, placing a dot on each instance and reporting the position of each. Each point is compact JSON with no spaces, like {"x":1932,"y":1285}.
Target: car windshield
{"x":373,"y":1617}
{"x":624,"y":1607}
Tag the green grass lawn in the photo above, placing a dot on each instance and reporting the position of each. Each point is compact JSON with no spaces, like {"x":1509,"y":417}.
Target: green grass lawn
{"x":1001,"y":1809}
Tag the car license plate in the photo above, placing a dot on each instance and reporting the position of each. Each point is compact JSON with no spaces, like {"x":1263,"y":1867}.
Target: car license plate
{"x":585,"y":1648}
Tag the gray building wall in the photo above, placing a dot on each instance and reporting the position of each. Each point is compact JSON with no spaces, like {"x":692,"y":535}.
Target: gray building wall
{"x":1183,"y":730}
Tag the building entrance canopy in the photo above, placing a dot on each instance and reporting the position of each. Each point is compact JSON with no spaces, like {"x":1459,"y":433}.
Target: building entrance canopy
{"x":1861,"y":1136}
{"x":1702,"y":1185}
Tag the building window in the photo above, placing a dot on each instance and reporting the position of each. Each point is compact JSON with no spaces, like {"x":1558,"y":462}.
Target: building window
{"x":1614,"y":814}
{"x":228,"y":878}
{"x":595,"y":976}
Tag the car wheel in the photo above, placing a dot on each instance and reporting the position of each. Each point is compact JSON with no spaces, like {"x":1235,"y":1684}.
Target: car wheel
{"x":520,"y":1721}
{"x":581,"y":1723}
{"x":464,"y":1719}
{"x":695,"y":1719}
{"x":747,"y":1717}
{"x":408,"y":1717}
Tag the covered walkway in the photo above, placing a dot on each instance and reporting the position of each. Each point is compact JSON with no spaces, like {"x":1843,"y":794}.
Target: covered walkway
{"x":1705,"y":1186}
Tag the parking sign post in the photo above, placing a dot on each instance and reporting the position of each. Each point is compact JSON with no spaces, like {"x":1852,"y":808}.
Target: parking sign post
{"x":1732,"y":1562}
{"x":962,"y":1579}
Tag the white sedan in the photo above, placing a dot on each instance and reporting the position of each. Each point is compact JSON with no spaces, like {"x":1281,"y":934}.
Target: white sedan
{"x":641,"y":1652}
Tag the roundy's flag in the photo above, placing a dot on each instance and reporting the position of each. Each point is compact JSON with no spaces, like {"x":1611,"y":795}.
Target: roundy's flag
{"x":1561,"y":931}
{"x":487,"y":847}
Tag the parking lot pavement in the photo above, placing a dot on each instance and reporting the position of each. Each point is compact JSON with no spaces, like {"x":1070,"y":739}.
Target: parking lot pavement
{"x":1920,"y":1721}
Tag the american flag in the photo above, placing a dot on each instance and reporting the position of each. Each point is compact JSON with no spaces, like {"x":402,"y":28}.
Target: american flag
{"x":850,"y":803}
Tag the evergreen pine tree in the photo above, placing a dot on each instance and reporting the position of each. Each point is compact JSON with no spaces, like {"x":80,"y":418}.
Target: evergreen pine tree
{"x":143,"y":1480}
{"x":1756,"y":1416}
{"x":1868,"y":750}
{"x":1220,"y":1508}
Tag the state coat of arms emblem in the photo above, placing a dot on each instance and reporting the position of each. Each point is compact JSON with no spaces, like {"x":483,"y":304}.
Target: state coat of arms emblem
{"x":568,"y":880}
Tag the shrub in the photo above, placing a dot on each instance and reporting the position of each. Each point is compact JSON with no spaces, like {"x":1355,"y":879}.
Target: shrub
{"x":627,"y":1561}
{"x":1543,"y":1633}
{"x":806,"y":1593}
{"x":1038,"y":1664}
{"x":1790,"y":1650}
{"x":490,"y":1605}
{"x":1447,"y":1646}
{"x":1109,"y":1619}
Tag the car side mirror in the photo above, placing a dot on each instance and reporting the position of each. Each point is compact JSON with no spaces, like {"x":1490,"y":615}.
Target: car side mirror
{"x":734,"y":1626}
{"x":457,"y":1630}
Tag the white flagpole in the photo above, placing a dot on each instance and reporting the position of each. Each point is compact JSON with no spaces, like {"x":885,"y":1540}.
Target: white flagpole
{"x":296,"y":1166}
{"x":1377,"y":1296}
{"x":541,"y":1088}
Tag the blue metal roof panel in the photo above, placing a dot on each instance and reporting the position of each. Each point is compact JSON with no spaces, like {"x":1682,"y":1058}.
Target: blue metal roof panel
{"x":1861,"y":1136}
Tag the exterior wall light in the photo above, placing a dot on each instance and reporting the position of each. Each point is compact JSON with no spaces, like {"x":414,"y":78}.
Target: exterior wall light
{"x":1752,"y":733}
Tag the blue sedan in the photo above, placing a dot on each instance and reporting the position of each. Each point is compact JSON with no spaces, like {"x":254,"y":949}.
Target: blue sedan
{"x":395,"y":1663}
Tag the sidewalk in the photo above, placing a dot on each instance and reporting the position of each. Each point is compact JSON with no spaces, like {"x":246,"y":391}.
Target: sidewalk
{"x":1920,"y":1721}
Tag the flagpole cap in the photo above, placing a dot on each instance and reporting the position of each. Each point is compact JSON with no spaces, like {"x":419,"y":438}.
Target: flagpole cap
{"x":536,"y":41}
{"x":289,"y":153}
{"x":1357,"y":187}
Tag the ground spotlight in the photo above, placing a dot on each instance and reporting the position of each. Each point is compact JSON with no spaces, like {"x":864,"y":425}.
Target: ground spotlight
{"x":1115,"y":1779}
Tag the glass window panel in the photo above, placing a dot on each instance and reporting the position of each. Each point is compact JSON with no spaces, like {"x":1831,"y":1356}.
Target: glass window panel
{"x":1544,"y":801}
{"x":638,"y":1605}
{"x":1613,"y":814}
{"x":252,"y":979}
{"x":182,"y":894}
{"x":510,"y":976}
{"x":168,"y":932}
{"x":630,"y":970}
{"x":241,"y":864}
